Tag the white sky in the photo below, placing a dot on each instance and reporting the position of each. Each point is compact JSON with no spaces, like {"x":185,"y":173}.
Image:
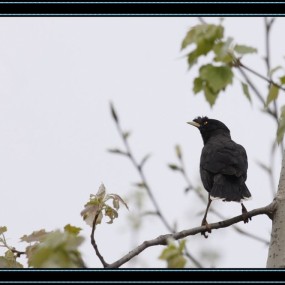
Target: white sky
{"x":57,"y":77}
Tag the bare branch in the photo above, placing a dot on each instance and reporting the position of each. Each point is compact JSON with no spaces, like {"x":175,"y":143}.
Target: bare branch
{"x":241,"y":231}
{"x":270,"y":81}
{"x":162,"y":240}
{"x":105,"y":264}
{"x":139,"y":168}
{"x":142,"y":176}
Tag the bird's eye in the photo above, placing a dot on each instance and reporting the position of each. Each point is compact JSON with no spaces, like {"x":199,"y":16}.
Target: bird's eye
{"x":205,"y":123}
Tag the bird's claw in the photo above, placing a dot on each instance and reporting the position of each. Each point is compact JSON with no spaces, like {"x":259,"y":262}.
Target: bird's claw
{"x":245,"y":216}
{"x":208,"y":228}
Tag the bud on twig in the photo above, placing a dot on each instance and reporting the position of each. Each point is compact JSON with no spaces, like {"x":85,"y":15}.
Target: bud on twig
{"x":114,"y":114}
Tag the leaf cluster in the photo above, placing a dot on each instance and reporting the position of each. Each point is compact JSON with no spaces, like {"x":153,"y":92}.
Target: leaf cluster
{"x":217,"y":75}
{"x":97,"y":207}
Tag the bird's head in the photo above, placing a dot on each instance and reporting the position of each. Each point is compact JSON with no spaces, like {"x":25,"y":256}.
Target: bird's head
{"x":209,"y":127}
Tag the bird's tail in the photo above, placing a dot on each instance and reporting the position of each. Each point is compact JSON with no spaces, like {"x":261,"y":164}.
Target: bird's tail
{"x":229,"y":188}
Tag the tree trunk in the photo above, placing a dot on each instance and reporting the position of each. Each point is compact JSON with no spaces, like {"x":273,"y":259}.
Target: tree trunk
{"x":276,"y":253}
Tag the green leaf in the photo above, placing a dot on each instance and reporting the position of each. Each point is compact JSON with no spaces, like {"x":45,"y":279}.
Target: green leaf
{"x":57,"y":250}
{"x":72,"y":229}
{"x":223,"y":52}
{"x":246,"y":91}
{"x":204,"y":37}
{"x":178,"y":261}
{"x":111,"y":213}
{"x":192,"y":58}
{"x":202,"y":49}
{"x":116,"y":200}
{"x":169,"y":252}
{"x":173,"y":254}
{"x":202,"y":32}
{"x":182,"y":244}
{"x":282,"y":80}
{"x":174,"y":167}
{"x":96,"y":206}
{"x":101,"y":193}
{"x":217,"y":77}
{"x":9,"y":261}
{"x":210,"y":96}
{"x":242,"y":49}
{"x":3,"y":230}
{"x":198,"y":85}
{"x":281,"y":125}
{"x":273,"y":94}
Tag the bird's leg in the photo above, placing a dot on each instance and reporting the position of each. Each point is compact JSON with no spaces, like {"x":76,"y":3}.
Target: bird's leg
{"x":204,"y":221}
{"x":244,"y":214}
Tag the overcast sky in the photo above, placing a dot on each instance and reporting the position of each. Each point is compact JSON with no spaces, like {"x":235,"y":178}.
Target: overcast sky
{"x":57,"y":77}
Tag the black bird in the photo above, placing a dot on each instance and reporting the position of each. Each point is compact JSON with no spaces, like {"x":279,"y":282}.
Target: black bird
{"x":223,"y":165}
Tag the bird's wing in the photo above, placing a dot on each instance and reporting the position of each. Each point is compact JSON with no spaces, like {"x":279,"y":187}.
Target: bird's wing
{"x":224,"y":157}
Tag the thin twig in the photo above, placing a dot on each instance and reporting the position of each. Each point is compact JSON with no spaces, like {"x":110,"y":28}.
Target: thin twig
{"x":14,"y":250}
{"x":143,"y":178}
{"x":202,"y":20}
{"x":105,"y":264}
{"x":17,"y":252}
{"x":268,"y":26}
{"x":162,"y":240}
{"x":140,"y":171}
{"x":270,"y":81}
{"x":257,"y":93}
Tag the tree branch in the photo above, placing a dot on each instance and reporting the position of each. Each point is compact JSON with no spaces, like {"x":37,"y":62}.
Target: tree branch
{"x":140,"y":171}
{"x":162,"y":240}
{"x":270,"y":81}
{"x":105,"y":264}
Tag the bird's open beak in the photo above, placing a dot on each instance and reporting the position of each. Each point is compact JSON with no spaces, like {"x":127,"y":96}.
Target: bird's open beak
{"x":195,"y":124}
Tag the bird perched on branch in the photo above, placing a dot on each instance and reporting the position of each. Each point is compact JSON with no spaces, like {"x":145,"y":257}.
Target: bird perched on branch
{"x":223,"y":165}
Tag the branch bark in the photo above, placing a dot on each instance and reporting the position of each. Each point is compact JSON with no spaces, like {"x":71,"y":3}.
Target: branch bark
{"x":162,"y":240}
